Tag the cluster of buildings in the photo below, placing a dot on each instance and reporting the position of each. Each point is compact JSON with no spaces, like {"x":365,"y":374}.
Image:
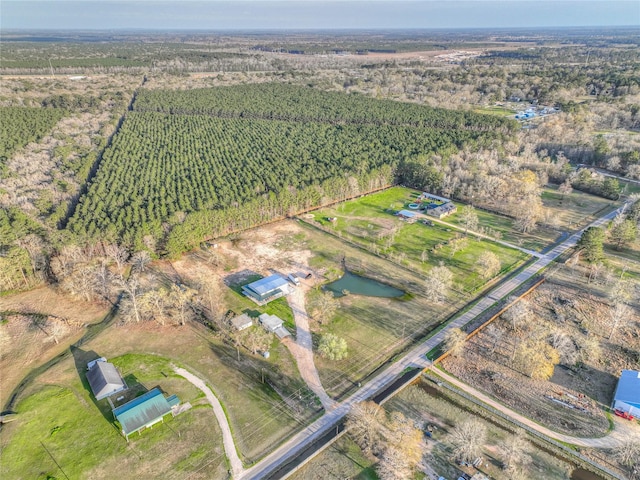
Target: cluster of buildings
{"x":432,"y":205}
{"x":135,"y":415}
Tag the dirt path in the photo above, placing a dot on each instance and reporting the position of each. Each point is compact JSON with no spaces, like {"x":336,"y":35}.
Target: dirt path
{"x":302,"y":348}
{"x":623,"y":429}
{"x":229,"y":447}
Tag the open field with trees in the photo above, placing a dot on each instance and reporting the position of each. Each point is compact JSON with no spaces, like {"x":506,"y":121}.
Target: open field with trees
{"x":370,"y":222}
{"x":507,"y":455}
{"x":155,"y":148}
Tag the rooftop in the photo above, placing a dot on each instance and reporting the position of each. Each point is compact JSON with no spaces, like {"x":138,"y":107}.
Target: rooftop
{"x":267,"y":284}
{"x":142,"y":411}
{"x":406,"y":213}
{"x":104,"y":379}
{"x":628,"y":390}
{"x":242,"y":321}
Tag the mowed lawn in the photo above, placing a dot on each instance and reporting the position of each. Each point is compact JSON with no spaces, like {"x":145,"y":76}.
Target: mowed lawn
{"x":369,"y":221}
{"x":59,"y":419}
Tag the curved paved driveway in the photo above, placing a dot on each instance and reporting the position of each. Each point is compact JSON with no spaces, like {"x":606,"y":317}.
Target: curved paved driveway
{"x":229,"y":447}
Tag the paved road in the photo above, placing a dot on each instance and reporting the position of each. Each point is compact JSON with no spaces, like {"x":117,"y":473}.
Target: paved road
{"x":624,"y":430}
{"x":302,"y":348}
{"x":415,"y":357}
{"x":229,"y":447}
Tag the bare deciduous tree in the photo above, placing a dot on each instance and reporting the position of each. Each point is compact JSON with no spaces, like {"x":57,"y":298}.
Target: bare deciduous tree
{"x":323,"y":306}
{"x":469,"y":218}
{"x":514,"y":452}
{"x":131,"y":288}
{"x":468,"y":438}
{"x":438,"y":283}
{"x":117,"y":253}
{"x":454,"y":341}
{"x":140,"y":260}
{"x":488,"y":264}
{"x":518,"y":314}
{"x":619,"y":317}
{"x":363,"y":423}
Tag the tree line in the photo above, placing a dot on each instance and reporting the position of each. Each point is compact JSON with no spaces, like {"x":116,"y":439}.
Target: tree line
{"x":278,"y":101}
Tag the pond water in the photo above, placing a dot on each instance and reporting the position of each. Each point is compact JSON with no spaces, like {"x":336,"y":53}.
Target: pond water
{"x":362,"y":286}
{"x":582,"y":474}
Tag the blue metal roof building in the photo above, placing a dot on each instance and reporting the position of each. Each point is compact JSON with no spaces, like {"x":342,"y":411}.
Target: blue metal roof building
{"x":267,"y":289}
{"x":627,"y":396}
{"x":144,"y":411}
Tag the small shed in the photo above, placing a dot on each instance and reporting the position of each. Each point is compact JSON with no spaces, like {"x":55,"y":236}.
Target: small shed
{"x":104,"y":378}
{"x":407,"y":215}
{"x":241,"y":322}
{"x":144,"y":411}
{"x":627,"y":396}
{"x":273,"y":323}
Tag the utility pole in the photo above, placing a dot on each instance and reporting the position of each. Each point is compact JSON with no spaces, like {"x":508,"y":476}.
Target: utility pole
{"x":54,"y":460}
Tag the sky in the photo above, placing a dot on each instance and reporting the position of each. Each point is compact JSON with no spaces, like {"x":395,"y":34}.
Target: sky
{"x":312,"y":14}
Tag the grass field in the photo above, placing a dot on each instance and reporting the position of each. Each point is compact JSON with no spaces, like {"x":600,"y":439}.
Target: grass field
{"x":375,"y":328}
{"x":567,"y":213}
{"x":574,"y":211}
{"x":59,"y":419}
{"x":343,"y":459}
{"x":369,"y":221}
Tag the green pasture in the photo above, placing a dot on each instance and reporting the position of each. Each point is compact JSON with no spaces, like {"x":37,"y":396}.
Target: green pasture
{"x":369,"y":222}
{"x":61,"y":431}
{"x":376,"y":329}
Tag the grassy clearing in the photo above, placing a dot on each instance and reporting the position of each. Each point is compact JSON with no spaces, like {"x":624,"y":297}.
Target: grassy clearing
{"x":499,"y":111}
{"x":369,"y":222}
{"x":574,"y":211}
{"x":375,"y":328}
{"x":62,"y":420}
{"x":343,"y":459}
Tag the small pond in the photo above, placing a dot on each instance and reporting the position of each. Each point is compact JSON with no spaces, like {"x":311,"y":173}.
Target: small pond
{"x":582,"y":474}
{"x":358,"y":285}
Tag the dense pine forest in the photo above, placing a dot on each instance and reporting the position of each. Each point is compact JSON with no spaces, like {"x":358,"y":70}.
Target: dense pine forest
{"x":19,"y":126}
{"x":254,"y":153}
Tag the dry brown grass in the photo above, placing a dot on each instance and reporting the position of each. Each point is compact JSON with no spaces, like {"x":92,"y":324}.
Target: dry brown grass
{"x":26,"y":337}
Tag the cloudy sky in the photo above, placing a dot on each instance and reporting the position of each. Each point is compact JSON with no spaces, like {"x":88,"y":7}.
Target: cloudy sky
{"x":313,"y":14}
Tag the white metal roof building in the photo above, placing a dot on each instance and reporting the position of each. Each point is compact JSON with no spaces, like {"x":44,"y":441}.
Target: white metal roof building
{"x":104,"y":379}
{"x":266,"y":289}
{"x":273,"y":324}
{"x":627,"y":396}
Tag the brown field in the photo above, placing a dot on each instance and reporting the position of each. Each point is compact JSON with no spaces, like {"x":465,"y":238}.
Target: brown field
{"x":27,"y":332}
{"x":588,"y":387}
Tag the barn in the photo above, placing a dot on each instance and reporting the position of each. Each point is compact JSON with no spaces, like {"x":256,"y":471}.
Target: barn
{"x":266,"y":289}
{"x":104,"y":378}
{"x":627,"y":396}
{"x":144,"y":411}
